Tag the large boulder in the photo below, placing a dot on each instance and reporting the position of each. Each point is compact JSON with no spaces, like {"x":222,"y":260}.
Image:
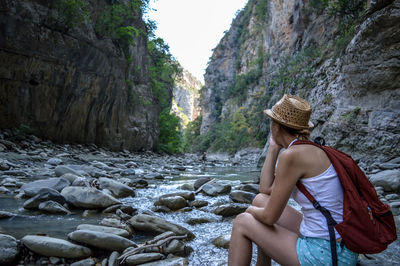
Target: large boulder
{"x":54,"y":247}
{"x":149,"y":223}
{"x":88,"y":197}
{"x":104,"y":229}
{"x":118,"y":189}
{"x":388,"y":179}
{"x":101,"y":240}
{"x":201,"y":181}
{"x":42,"y":196}
{"x":32,"y":188}
{"x":184,"y":194}
{"x":8,"y":249}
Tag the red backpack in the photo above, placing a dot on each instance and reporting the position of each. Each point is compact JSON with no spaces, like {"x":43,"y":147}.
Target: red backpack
{"x":368,"y":224}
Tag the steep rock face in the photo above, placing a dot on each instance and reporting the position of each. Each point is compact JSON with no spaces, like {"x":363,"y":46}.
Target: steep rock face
{"x":186,"y":94}
{"x":71,"y":85}
{"x":355,"y":94}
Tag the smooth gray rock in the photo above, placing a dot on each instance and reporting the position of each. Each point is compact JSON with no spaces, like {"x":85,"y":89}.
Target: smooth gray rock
{"x":201,"y":181}
{"x":6,"y":215}
{"x":388,"y":179}
{"x":118,"y":189}
{"x":175,"y":261}
{"x":253,"y":188}
{"x":62,"y":170}
{"x":222,"y":241}
{"x":85,"y":262}
{"x":54,"y":161}
{"x":70,"y":177}
{"x":242,"y":196}
{"x":187,"y":187}
{"x":216,"y":189}
{"x":230,"y":209}
{"x":199,"y":220}
{"x":172,"y":202}
{"x":104,"y":229}
{"x":389,"y":166}
{"x":149,"y":223}
{"x":143,"y":258}
{"x":184,"y":194}
{"x":198,"y":203}
{"x":54,"y":247}
{"x":8,"y":249}
{"x":113,"y":259}
{"x":101,"y":240}
{"x":88,"y":197}
{"x":117,"y":223}
{"x":44,"y":195}
{"x":53,"y":207}
{"x":80,"y":182}
{"x":33,"y":188}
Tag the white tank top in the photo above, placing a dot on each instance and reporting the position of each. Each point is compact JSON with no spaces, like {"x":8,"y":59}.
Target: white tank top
{"x":328,"y":191}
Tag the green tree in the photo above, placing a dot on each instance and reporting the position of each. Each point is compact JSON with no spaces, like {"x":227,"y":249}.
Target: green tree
{"x":170,"y":140}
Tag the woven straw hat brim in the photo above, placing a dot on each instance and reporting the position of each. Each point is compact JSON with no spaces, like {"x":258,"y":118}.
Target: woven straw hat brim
{"x":280,"y":120}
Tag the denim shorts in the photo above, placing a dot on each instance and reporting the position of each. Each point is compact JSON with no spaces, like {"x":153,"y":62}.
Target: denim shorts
{"x":317,"y":251}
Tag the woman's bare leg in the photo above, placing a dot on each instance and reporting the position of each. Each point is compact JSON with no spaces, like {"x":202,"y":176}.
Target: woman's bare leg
{"x":276,"y":241}
{"x":290,"y":219}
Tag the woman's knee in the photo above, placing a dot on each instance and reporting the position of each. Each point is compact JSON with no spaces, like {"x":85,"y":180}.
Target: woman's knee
{"x":242,"y":221}
{"x":260,"y":200}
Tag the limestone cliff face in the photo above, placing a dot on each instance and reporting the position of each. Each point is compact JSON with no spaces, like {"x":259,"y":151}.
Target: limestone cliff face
{"x":71,"y":85}
{"x":186,"y":94}
{"x":355,"y":93}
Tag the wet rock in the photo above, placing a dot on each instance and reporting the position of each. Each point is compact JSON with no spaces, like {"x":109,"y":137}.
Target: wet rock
{"x":187,"y":186}
{"x":395,"y":160}
{"x":201,"y":181}
{"x":174,"y":261}
{"x":113,"y":259}
{"x":8,"y":249}
{"x":128,"y":172}
{"x":33,"y":188}
{"x":53,"y":207}
{"x":222,"y":241}
{"x":70,"y":177}
{"x":388,"y":179}
{"x":80,"y":182}
{"x":54,"y":161}
{"x":15,"y":173}
{"x":154,"y":176}
{"x":136,"y":183}
{"x":148,"y":223}
{"x":62,"y":170}
{"x":143,"y":258}
{"x":116,"y":222}
{"x":184,"y":194}
{"x":112,"y":208}
{"x":104,"y":229}
{"x":230,"y":209}
{"x":86,"y":262}
{"x":242,"y":196}
{"x":178,"y":248}
{"x":89,"y":213}
{"x":389,"y":166}
{"x":161,"y":209}
{"x":395,"y":207}
{"x":6,"y":215}
{"x":118,"y":189}
{"x":54,"y":247}
{"x":253,"y":188}
{"x":199,"y":220}
{"x":44,"y":195}
{"x":199,"y":203}
{"x":101,"y":240}
{"x":172,"y":202}
{"x":216,"y":189}
{"x":88,"y":197}
{"x":392,"y":196}
{"x":4,"y":164}
{"x":4,"y":190}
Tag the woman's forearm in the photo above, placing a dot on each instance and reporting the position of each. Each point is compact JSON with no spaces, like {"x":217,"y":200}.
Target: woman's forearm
{"x":268,"y":170}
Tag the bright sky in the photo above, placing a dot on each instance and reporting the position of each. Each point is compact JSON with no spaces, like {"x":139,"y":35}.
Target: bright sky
{"x":192,"y":28}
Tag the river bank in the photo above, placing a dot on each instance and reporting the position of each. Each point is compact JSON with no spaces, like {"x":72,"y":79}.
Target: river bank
{"x":51,"y":196}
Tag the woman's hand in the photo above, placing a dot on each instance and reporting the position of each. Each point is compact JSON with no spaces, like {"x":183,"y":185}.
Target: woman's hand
{"x":274,"y":144}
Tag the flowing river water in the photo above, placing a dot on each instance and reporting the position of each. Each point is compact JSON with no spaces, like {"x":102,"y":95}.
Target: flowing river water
{"x":204,"y":252}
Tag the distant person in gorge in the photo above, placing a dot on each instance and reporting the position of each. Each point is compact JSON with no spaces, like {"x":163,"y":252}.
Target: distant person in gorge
{"x":204,"y":157}
{"x":280,"y":232}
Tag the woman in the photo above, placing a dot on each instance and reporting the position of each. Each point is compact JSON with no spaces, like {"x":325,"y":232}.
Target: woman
{"x":280,"y":232}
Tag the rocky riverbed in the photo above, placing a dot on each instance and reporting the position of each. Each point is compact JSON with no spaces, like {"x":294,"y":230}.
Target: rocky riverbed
{"x":85,"y":205}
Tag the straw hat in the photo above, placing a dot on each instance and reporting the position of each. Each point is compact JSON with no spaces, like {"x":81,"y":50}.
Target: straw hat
{"x":291,"y":111}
